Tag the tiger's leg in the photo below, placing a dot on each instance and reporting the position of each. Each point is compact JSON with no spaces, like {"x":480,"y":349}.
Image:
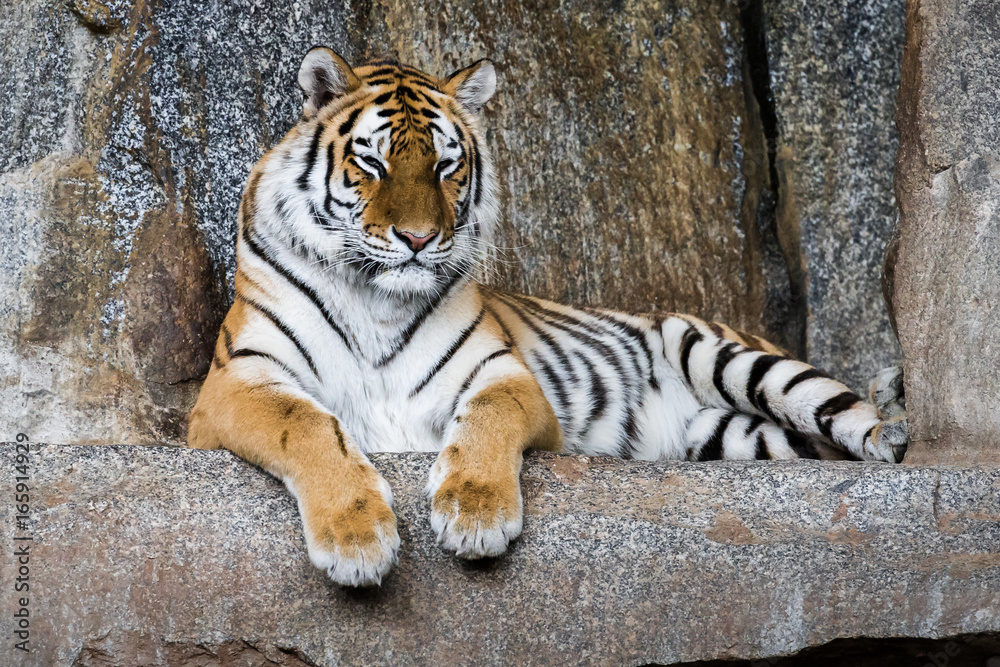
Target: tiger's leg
{"x":724,"y":370}
{"x":344,"y":503}
{"x":474,"y":485}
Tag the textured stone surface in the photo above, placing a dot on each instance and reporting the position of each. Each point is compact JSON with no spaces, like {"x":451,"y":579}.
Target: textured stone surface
{"x":154,"y":556}
{"x":946,"y":285}
{"x":624,"y":160}
{"x":835,"y":68}
{"x":632,"y":158}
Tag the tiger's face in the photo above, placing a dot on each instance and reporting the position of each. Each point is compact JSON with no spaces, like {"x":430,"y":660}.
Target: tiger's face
{"x":396,"y":171}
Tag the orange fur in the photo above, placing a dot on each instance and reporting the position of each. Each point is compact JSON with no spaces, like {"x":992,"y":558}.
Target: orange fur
{"x":483,"y":465}
{"x":294,"y":439}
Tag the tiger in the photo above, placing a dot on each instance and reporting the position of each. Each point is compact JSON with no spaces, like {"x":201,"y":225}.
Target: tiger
{"x":359,"y":325}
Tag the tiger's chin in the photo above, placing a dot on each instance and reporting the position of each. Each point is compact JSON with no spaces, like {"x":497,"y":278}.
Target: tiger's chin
{"x":408,"y":280}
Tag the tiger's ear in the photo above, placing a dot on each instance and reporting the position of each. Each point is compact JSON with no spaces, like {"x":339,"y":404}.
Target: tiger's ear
{"x":324,"y":76}
{"x":474,"y":85}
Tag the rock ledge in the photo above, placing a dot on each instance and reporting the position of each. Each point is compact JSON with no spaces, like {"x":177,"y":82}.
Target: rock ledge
{"x":160,"y":556}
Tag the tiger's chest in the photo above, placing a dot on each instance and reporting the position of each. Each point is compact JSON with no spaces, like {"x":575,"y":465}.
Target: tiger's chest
{"x":383,"y":421}
{"x":382,"y":418}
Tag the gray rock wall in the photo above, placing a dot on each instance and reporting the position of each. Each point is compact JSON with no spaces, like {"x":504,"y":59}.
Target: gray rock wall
{"x":163,"y":557}
{"x":946,"y":267}
{"x":633,"y":160}
{"x":835,"y":68}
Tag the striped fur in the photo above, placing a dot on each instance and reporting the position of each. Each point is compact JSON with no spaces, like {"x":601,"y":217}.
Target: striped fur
{"x":357,"y":327}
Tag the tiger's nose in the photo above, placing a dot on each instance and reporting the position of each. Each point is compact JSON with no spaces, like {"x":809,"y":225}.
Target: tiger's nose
{"x":414,"y":242}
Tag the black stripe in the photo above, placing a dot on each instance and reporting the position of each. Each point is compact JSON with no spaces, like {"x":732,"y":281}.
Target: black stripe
{"x":546,"y":339}
{"x":284,"y":328}
{"x":419,"y":77}
{"x":503,"y":326}
{"x":626,"y":447}
{"x":322,"y":220}
{"x":409,"y":94}
{"x":801,"y":445}
{"x":598,"y":395}
{"x":761,"y":343}
{"x":431,"y":101}
{"x":379,"y":82}
{"x":329,"y":177}
{"x":833,"y":407}
{"x":340,"y":435}
{"x":755,"y":422}
{"x":722,"y":359}
{"x":310,"y":158}
{"x":228,"y":338}
{"x":556,"y":319}
{"x":761,"y":453}
{"x":459,"y":342}
{"x":691,"y":337}
{"x":760,"y":367}
{"x":636,"y":335}
{"x":478,"y":173}
{"x":555,"y":383}
{"x":391,"y":70}
{"x":330,"y":199}
{"x":245,"y":352}
{"x":461,"y":219}
{"x":808,"y":374}
{"x":415,"y":323}
{"x":302,"y":287}
{"x":388,"y":113}
{"x":472,"y":376}
{"x":385,"y":65}
{"x":348,"y":124}
{"x":764,"y":406}
{"x":712,"y":450}
{"x":382,"y":99}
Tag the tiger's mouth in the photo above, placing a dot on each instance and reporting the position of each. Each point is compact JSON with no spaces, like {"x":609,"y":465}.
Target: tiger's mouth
{"x":408,"y":277}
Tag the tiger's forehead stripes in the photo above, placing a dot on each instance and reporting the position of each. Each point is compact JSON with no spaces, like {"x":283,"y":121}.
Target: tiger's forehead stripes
{"x":408,"y":106}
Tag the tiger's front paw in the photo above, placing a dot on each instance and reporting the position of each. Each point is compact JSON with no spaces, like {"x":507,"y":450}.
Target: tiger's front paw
{"x":351,"y":533}
{"x":475,"y":509}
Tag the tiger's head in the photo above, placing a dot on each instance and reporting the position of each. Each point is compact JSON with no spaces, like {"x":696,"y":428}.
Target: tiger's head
{"x":391,"y":166}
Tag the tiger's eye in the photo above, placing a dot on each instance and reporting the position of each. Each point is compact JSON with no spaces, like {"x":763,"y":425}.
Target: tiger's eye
{"x":442,"y":165}
{"x":378,"y":166}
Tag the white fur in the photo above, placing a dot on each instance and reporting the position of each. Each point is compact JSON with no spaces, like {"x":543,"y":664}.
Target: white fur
{"x":484,"y":540}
